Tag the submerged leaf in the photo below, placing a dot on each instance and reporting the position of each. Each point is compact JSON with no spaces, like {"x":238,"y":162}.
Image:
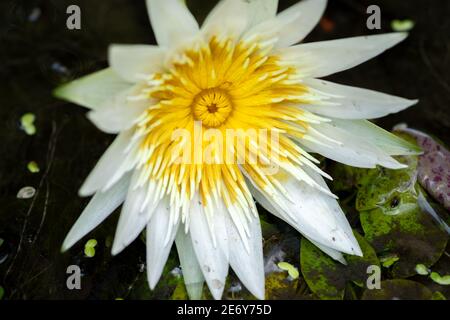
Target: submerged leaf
{"x":328,"y":278}
{"x":398,"y":289}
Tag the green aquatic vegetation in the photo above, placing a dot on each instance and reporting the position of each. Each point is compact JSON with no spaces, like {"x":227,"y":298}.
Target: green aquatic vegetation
{"x":389,"y":260}
{"x":2,"y":293}
{"x":422,"y":269}
{"x":328,"y":278}
{"x":437,"y":295}
{"x":402,"y":25}
{"x":33,"y":167}
{"x":27,"y":123}
{"x":442,"y":280}
{"x":398,"y":289}
{"x":292,"y":271}
{"x":89,"y":248}
{"x":394,"y":222}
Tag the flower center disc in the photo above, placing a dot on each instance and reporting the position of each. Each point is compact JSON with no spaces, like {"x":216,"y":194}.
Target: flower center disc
{"x":212,"y":107}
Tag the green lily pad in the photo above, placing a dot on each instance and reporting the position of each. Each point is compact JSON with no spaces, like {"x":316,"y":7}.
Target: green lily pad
{"x":438,"y":296}
{"x":328,"y":278}
{"x":398,"y":289}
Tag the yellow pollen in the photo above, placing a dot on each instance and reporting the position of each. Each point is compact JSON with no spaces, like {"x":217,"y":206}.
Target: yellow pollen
{"x":212,"y":107}
{"x":224,"y":85}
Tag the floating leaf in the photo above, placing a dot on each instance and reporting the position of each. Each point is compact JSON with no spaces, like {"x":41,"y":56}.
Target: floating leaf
{"x":422,"y":269}
{"x":279,"y":287}
{"x":389,"y":260}
{"x":89,"y":248}
{"x":91,"y":243}
{"x":328,"y":278}
{"x":33,"y":167}
{"x":402,"y":25}
{"x":398,"y":289}
{"x":437,"y":295}
{"x":27,"y":123}
{"x":2,"y":293}
{"x":442,"y":280}
{"x":292,"y":271}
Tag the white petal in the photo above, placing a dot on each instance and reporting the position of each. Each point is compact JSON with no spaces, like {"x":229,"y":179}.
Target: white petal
{"x":119,"y":112}
{"x":343,"y":146}
{"x":334,"y":254}
{"x":386,"y":141}
{"x":321,"y":59}
{"x":98,"y":209}
{"x":133,"y":217}
{"x":107,"y":166}
{"x":172,"y":22}
{"x":228,"y":19}
{"x":248,"y":265}
{"x":192,"y":274}
{"x":93,"y":90}
{"x":159,"y":241}
{"x":212,"y":258}
{"x":264,"y":202}
{"x":133,"y":61}
{"x":346,"y":102}
{"x":261,"y":11}
{"x":293,"y":24}
{"x":314,"y":214}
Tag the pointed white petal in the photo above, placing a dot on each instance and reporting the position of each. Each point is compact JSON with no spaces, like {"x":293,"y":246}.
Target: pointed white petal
{"x":321,"y":59}
{"x":107,"y":166}
{"x":347,"y":148}
{"x":93,"y":90}
{"x":262,"y":200}
{"x":212,"y":258}
{"x":314,"y":214}
{"x":261,"y":11}
{"x":293,"y":24}
{"x":248,"y":265}
{"x":172,"y":22}
{"x":133,"y":61}
{"x":119,"y":112}
{"x":132,"y":218}
{"x":334,"y":254}
{"x":228,"y":19}
{"x":386,"y":141}
{"x":346,"y":102}
{"x":98,"y":209}
{"x":158,"y":249}
{"x":192,"y":274}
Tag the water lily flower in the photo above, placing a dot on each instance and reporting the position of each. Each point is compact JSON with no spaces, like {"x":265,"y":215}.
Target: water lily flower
{"x":243,"y":69}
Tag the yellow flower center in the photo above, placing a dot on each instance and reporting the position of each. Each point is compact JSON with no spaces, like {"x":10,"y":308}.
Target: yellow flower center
{"x":223,"y":85}
{"x":212,"y":107}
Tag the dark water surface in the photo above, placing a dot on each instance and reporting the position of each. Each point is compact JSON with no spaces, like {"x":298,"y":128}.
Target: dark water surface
{"x":37,"y":53}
